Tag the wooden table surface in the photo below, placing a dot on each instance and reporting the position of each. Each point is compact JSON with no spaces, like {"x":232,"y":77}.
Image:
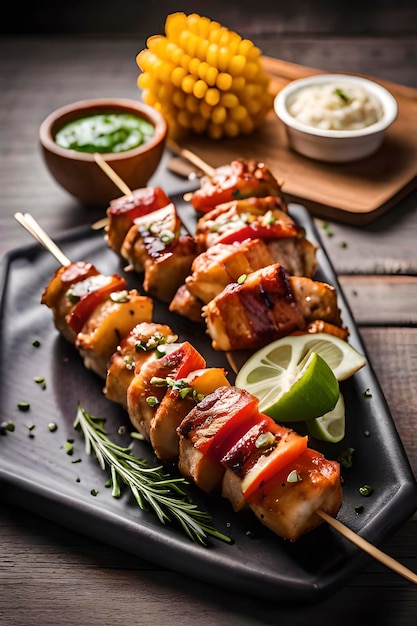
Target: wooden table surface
{"x":51,"y":575}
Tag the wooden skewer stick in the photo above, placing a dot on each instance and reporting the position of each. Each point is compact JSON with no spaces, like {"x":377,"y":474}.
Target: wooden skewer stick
{"x":31,"y":225}
{"x":109,"y":171}
{"x":119,"y":182}
{"x":369,"y":548}
{"x":192,"y":158}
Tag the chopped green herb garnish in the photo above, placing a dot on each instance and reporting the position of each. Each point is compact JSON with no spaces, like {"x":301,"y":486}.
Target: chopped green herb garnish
{"x":327,"y":230}
{"x":36,"y":343}
{"x":39,"y":380}
{"x":367,"y":393}
{"x":23,"y":406}
{"x":6,"y":427}
{"x":69,"y":447}
{"x":339,"y":92}
{"x":151,"y":487}
{"x":52,"y":427}
{"x":345,"y":458}
{"x":365,"y":490}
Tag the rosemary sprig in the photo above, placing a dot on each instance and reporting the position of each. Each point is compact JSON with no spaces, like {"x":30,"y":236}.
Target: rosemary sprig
{"x":152,"y":487}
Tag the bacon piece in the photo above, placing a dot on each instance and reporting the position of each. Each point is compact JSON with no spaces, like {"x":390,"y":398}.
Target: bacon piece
{"x":154,"y":244}
{"x":242,"y":178}
{"x":139,"y":346}
{"x":209,"y":430}
{"x":123,"y":211}
{"x":319,"y":326}
{"x":268,"y":305}
{"x":258,"y":311}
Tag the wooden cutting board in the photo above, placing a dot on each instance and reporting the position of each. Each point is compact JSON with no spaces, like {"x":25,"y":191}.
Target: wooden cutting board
{"x":354,"y":193}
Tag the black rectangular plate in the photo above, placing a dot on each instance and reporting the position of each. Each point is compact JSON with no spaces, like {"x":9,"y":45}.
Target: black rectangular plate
{"x":37,"y":473}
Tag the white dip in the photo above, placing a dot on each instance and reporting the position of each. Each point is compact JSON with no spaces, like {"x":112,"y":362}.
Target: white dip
{"x":335,"y":106}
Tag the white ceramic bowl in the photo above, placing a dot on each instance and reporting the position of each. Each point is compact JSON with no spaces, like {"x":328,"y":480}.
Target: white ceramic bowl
{"x":337,"y":146}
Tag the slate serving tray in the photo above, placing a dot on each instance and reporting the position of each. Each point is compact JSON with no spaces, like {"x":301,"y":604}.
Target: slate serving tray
{"x":38,"y":474}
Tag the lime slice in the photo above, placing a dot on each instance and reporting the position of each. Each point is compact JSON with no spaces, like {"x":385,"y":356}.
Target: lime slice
{"x":273,"y":370}
{"x":331,"y":426}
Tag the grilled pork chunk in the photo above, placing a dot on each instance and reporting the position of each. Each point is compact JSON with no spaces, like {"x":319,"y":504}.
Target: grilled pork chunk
{"x":268,"y":305}
{"x":134,"y":350}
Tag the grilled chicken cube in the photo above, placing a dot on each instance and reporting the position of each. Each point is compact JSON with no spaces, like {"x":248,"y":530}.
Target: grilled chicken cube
{"x":187,"y":305}
{"x":140,"y":345}
{"x":109,"y":322}
{"x":317,"y":300}
{"x":241,"y":178}
{"x":296,"y":254}
{"x":155,"y":245}
{"x":148,"y":388}
{"x":180,"y":398}
{"x":287,"y":503}
{"x":123,"y":211}
{"x":222,"y":264}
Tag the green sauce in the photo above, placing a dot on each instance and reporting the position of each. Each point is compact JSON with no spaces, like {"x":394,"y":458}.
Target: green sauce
{"x":109,"y":132}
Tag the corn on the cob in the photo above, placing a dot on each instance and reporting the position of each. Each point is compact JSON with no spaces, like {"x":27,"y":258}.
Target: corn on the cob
{"x":204,"y":78}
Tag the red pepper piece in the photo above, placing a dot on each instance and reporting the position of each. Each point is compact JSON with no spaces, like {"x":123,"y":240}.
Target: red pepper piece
{"x":183,"y":360}
{"x":259,"y":230}
{"x":141,"y":202}
{"x":88,"y":302}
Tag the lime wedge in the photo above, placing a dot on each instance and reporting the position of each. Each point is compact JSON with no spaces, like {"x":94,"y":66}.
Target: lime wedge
{"x":309,"y":392}
{"x":275,"y":375}
{"x":331,"y":426}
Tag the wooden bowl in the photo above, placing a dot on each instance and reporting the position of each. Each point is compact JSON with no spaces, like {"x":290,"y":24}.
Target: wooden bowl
{"x":79,"y":173}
